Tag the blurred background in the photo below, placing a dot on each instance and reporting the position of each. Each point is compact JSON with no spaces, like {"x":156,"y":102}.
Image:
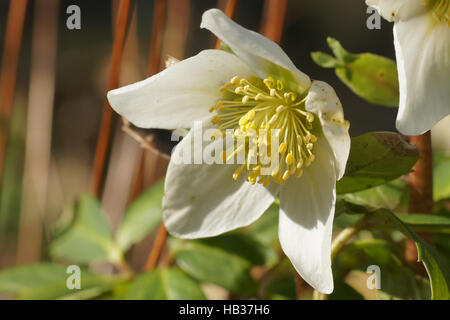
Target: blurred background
{"x":62,"y":79}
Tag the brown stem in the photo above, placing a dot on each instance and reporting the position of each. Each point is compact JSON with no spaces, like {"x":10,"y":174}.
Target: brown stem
{"x":273,"y":21}
{"x":154,"y":65}
{"x":159,"y":19}
{"x":421,"y":187}
{"x":10,"y":61}
{"x":298,"y":285}
{"x":106,"y":123}
{"x":157,"y":248}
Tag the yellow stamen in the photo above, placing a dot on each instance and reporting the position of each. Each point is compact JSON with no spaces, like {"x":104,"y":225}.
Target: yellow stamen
{"x":253,"y":105}
{"x":283,"y":148}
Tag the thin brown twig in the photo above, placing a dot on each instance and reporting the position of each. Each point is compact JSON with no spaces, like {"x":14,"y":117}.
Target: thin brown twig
{"x":421,"y":187}
{"x":10,"y":61}
{"x":159,"y":19}
{"x":157,"y":248}
{"x":106,"y":123}
{"x":273,"y":19}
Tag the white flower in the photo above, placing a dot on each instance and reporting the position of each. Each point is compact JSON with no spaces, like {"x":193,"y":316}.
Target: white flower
{"x":422,"y":46}
{"x":257,"y":87}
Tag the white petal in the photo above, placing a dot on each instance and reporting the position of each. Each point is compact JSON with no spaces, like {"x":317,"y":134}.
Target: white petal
{"x":203,"y":200}
{"x":398,"y":10}
{"x":177,"y":96}
{"x":423,"y":60}
{"x":256,"y":50}
{"x":306,"y":221}
{"x":323,"y":101}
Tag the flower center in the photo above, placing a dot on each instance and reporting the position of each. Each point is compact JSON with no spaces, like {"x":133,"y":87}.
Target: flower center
{"x":440,"y":10}
{"x":255,"y":109}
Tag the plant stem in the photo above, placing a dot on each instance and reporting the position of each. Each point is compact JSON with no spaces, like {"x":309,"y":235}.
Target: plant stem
{"x":10,"y":61}
{"x":342,"y":238}
{"x":298,"y":285}
{"x":273,"y":19}
{"x":156,"y":39}
{"x":157,"y":248}
{"x":421,"y":187}
{"x":104,"y":136}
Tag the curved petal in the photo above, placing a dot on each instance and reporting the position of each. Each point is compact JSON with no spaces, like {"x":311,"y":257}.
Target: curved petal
{"x":323,"y":101}
{"x":177,"y":96}
{"x":256,"y":50}
{"x":306,"y":221}
{"x":203,"y":200}
{"x":398,"y":10}
{"x":423,"y":60}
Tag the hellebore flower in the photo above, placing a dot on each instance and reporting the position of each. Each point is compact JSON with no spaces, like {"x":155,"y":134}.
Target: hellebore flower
{"x":422,"y":46}
{"x":257,"y":87}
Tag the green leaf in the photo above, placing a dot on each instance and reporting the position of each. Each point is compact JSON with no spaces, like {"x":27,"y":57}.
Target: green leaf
{"x":426,"y":222}
{"x":339,"y":51}
{"x":388,"y":195}
{"x":48,"y":281}
{"x":88,"y":238}
{"x":343,"y":291}
{"x":437,"y":266}
{"x":376,"y":158}
{"x":279,"y":283}
{"x":345,"y":220}
{"x":265,"y":229}
{"x":143,"y":215}
{"x":164,"y":284}
{"x":441,"y":177}
{"x":350,"y":213}
{"x":325,"y":60}
{"x":442,"y":244}
{"x":225,"y":260}
{"x":370,"y":76}
{"x":397,"y":277}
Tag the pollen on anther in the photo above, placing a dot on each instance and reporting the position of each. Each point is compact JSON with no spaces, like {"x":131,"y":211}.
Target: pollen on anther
{"x":249,"y":106}
{"x":280,"y":85}
{"x":286,"y":175}
{"x":216,"y":120}
{"x":283,"y":147}
{"x":234,"y":80}
{"x":239,"y":90}
{"x":289,"y":159}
